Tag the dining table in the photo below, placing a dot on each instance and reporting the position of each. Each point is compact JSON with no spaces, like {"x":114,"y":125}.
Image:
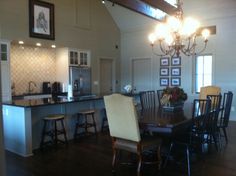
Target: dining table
{"x":166,"y":122}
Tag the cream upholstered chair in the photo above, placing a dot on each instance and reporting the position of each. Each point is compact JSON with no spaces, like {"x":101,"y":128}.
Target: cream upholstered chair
{"x":124,"y":129}
{"x":209,"y":90}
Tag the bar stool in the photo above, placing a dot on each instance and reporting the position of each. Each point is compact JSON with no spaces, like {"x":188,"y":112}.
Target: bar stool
{"x":84,"y":115}
{"x":50,"y":129}
{"x":104,"y":121}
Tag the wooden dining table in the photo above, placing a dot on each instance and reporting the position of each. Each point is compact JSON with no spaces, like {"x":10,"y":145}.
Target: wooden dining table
{"x":166,"y":122}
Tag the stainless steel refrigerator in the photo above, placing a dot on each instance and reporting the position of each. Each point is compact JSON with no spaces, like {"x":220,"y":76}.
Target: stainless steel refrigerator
{"x":80,"y":79}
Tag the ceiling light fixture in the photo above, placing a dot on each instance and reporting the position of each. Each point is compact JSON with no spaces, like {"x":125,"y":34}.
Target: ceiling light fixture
{"x":21,"y":42}
{"x":103,"y":1}
{"x":38,"y":44}
{"x":177,"y":35}
{"x":53,"y":46}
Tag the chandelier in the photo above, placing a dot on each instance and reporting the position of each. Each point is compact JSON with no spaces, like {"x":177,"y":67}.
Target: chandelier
{"x":177,"y":35}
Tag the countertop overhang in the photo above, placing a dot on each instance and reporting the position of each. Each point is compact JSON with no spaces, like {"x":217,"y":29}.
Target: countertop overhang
{"x":50,"y":101}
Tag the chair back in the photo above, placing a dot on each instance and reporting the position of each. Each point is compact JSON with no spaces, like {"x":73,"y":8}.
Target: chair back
{"x":214,"y":111}
{"x":209,"y":90}
{"x":225,"y":109}
{"x":159,"y":96}
{"x":122,"y":117}
{"x":148,"y":100}
{"x":200,"y":113}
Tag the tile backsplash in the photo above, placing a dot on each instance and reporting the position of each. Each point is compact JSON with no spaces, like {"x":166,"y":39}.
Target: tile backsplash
{"x":30,"y":63}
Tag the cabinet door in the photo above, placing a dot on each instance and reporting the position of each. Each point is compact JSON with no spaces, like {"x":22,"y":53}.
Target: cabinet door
{"x":84,"y":58}
{"x":73,"y":58}
{"x":5,"y":70}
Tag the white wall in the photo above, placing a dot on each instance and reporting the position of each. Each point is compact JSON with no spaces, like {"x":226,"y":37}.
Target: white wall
{"x":222,"y":13}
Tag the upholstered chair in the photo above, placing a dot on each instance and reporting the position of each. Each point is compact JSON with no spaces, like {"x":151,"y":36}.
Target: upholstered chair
{"x":124,"y":129}
{"x":209,"y":90}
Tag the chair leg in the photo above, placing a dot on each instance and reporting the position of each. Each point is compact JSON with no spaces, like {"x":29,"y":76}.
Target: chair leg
{"x":159,"y":160}
{"x":168,"y":155}
{"x":188,"y":160}
{"x":114,"y":160}
{"x":43,"y":134}
{"x":139,"y":164}
{"x":215,"y":142}
{"x":64,"y":131}
{"x":55,"y":131}
{"x":94,"y":124}
{"x":225,"y":135}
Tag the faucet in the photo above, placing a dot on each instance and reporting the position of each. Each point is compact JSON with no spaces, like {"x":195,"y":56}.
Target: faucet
{"x":30,"y":88}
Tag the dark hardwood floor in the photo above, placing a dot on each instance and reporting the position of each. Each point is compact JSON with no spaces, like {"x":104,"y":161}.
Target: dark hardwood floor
{"x":92,"y":157}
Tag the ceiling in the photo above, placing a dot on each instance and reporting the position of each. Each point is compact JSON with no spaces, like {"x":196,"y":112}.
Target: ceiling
{"x":128,"y":20}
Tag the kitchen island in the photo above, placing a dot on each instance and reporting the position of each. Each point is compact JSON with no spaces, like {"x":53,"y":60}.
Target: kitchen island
{"x":22,"y":119}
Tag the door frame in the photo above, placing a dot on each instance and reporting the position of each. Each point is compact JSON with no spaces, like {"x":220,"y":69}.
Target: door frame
{"x":132,"y":60}
{"x":113,"y":73}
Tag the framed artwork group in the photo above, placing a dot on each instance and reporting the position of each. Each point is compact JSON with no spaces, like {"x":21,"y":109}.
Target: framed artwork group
{"x":170,"y":71}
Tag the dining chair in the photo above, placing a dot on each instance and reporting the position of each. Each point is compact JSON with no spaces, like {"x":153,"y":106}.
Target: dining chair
{"x":212,"y":123}
{"x":193,"y":136}
{"x":209,"y":90}
{"x":148,"y":100}
{"x":200,"y":118}
{"x":225,"y":113}
{"x":125,"y":132}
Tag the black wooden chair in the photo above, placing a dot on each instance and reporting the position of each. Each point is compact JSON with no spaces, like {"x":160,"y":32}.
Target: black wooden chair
{"x":148,"y":100}
{"x":225,"y":113}
{"x":194,"y":136}
{"x":212,"y":123}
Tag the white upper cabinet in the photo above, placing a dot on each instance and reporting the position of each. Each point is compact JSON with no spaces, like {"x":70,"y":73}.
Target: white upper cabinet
{"x":79,"y":58}
{"x":5,"y":70}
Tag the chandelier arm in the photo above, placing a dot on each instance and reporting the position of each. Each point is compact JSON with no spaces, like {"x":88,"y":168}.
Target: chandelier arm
{"x":163,"y":48}
{"x":155,"y":52}
{"x":203,"y":49}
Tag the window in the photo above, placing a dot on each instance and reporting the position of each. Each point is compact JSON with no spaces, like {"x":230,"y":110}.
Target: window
{"x":203,"y":73}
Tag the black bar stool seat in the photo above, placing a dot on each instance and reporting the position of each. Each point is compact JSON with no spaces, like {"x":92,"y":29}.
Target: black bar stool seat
{"x":50,"y":129}
{"x":82,"y":122}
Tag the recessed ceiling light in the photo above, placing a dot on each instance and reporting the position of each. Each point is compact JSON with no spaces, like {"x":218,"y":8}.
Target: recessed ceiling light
{"x":53,"y":46}
{"x":21,"y":42}
{"x":38,"y":44}
{"x":103,"y":1}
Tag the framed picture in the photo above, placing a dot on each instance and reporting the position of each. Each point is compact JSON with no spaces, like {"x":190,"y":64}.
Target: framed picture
{"x":164,"y":61}
{"x":164,"y":81}
{"x":175,"y":71}
{"x":176,"y":61}
{"x":175,"y":81}
{"x":164,"y":71}
{"x":41,"y":20}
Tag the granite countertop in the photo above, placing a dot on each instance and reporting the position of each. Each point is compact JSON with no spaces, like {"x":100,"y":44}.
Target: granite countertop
{"x":55,"y":100}
{"x":50,"y":101}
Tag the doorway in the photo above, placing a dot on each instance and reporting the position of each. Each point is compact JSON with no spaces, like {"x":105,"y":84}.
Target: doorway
{"x":107,"y":76}
{"x":141,"y":74}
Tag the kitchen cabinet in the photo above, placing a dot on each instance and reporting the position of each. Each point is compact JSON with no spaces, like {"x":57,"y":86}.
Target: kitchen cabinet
{"x":79,"y":57}
{"x":5,"y":70}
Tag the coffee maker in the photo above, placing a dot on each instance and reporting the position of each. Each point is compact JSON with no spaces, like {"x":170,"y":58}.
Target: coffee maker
{"x":47,"y":88}
{"x":56,"y":88}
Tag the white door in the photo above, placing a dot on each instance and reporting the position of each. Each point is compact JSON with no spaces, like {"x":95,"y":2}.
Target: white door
{"x":106,"y":76}
{"x":141,"y":74}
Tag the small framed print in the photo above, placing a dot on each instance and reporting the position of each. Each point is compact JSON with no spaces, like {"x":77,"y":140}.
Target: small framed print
{"x":164,"y":71}
{"x":164,"y":61}
{"x":175,"y":71}
{"x":176,"y":61}
{"x":175,"y":81}
{"x":164,"y":81}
